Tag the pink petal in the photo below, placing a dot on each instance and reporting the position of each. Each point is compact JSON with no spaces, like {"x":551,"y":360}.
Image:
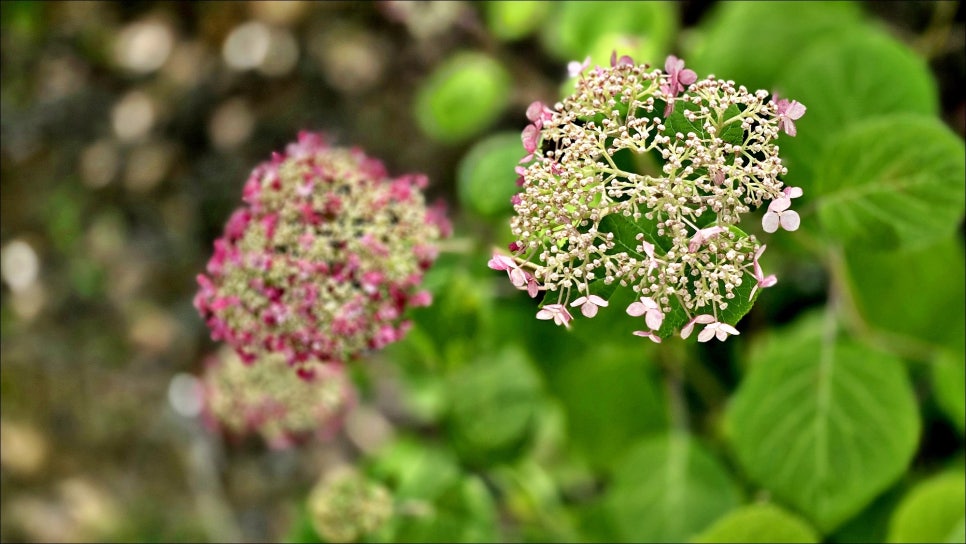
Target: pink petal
{"x":530,"y":135}
{"x":780,"y":204}
{"x":770,"y":222}
{"x":588,"y":309}
{"x":795,"y":110}
{"x":673,"y":64}
{"x":728,"y":329}
{"x":636,"y":309}
{"x":518,"y":277}
{"x":578,"y":302}
{"x":688,"y":77}
{"x":534,"y":111}
{"x":532,"y":287}
{"x":793,"y":192}
{"x":650,"y":335}
{"x":790,"y":220}
{"x":654,"y":319}
{"x":706,"y":334}
{"x":598,"y":301}
{"x":501,"y":262}
{"x":788,"y":126}
{"x":545,"y":314}
{"x":768,"y":281}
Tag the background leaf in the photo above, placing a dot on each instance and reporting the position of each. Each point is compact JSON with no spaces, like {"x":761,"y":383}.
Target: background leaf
{"x":574,"y":28}
{"x":949,"y":385}
{"x":758,"y":523}
{"x":845,"y":79}
{"x":915,"y":293}
{"x":493,"y":403}
{"x":486,"y":179}
{"x":891,"y":182}
{"x":609,"y":402}
{"x":463,"y":96}
{"x":824,"y":426}
{"x":752,"y":42}
{"x":667,"y":488}
{"x":933,"y":511}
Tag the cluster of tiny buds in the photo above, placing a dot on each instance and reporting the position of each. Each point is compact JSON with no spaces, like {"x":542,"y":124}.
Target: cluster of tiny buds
{"x":269,"y":399}
{"x":718,"y":160}
{"x":346,"y":506}
{"x":322,"y":260}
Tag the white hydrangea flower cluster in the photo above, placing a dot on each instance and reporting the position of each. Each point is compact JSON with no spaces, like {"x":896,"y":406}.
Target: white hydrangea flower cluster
{"x":718,"y":161}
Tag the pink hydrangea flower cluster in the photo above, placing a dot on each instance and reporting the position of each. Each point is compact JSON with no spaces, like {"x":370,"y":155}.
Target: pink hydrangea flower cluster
{"x":719,"y":159}
{"x":269,"y":399}
{"x":323,"y":259}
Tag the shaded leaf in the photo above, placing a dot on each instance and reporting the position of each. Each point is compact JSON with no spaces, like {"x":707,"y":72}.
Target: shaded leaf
{"x":889,"y":182}
{"x":666,"y":489}
{"x":933,"y":511}
{"x":825,"y":425}
{"x":759,"y":523}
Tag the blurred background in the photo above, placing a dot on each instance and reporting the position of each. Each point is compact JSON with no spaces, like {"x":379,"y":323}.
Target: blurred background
{"x":127,"y":132}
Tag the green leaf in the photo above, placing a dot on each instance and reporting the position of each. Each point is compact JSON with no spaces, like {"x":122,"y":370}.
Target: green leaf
{"x":889,"y":182}
{"x":575,"y":27}
{"x":416,"y":470}
{"x":610,"y":402}
{"x":759,"y":523}
{"x":668,"y":488}
{"x":915,"y":293}
{"x":847,"y":79}
{"x":486,"y":177}
{"x":824,"y":425}
{"x":462,"y":97}
{"x":751,"y":42}
{"x":464,"y":512}
{"x":493,"y":403}
{"x":949,"y":385}
{"x":513,"y":20}
{"x":932,"y":511}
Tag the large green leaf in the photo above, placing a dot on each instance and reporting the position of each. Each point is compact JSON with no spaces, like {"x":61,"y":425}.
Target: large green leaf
{"x":825,"y":425}
{"x":575,"y":27}
{"x":486,"y":177}
{"x":891,"y":182}
{"x":463,"y":96}
{"x":915,"y":293}
{"x":846,"y":79}
{"x":949,"y":385}
{"x":667,"y":489}
{"x":610,"y":403}
{"x":759,"y":523}
{"x":932,"y":511}
{"x":752,"y":42}
{"x":510,"y":20}
{"x":435,"y":500}
{"x":493,"y":404}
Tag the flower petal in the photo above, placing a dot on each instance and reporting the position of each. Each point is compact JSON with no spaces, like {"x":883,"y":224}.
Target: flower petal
{"x":578,"y":302}
{"x":636,"y":309}
{"x":770,"y":222}
{"x":598,"y":301}
{"x":589,"y":309}
{"x":707,"y":333}
{"x":790,"y":220}
{"x":654,"y":318}
{"x":780,"y":204}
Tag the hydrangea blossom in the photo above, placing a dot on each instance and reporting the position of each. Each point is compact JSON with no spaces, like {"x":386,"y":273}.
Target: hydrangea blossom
{"x":322,"y":260}
{"x":345,"y":506}
{"x":718,"y":161}
{"x":269,"y":399}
